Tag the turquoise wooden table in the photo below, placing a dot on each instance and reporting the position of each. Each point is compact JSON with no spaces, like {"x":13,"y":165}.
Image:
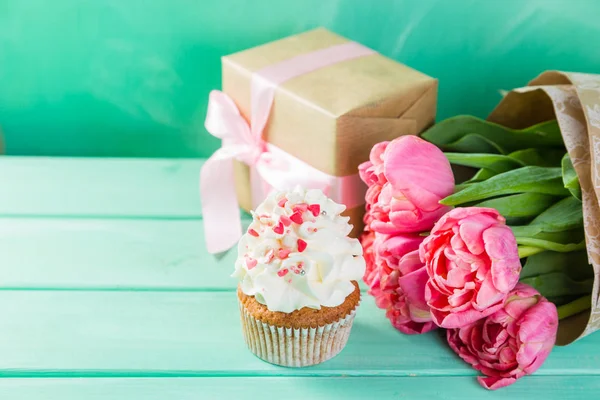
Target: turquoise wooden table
{"x":107,"y":293}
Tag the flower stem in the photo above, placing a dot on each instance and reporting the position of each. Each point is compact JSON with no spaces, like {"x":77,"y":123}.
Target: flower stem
{"x":575,"y":307}
{"x":526,"y":251}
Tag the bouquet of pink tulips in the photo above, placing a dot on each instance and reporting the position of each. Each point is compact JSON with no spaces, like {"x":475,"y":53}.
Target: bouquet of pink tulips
{"x":497,"y":259}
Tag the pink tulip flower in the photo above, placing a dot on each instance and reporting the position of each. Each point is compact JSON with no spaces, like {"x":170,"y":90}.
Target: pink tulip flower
{"x":401,"y":317}
{"x":511,"y":343}
{"x":372,"y":271}
{"x":472,"y":261}
{"x":371,"y":172}
{"x":407,"y":178}
{"x":402,"y":278}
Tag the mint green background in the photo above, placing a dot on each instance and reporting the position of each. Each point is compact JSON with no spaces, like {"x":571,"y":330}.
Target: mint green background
{"x":131,"y":77}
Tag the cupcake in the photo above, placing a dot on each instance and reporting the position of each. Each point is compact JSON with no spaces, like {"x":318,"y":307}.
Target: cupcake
{"x":298,"y":273}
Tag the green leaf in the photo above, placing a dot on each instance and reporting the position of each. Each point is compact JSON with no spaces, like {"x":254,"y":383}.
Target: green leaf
{"x":565,"y":214}
{"x":521,"y":180}
{"x":574,"y":264}
{"x":575,"y":307}
{"x":482,"y":175}
{"x":561,"y":224}
{"x":494,"y":162}
{"x":539,"y":158}
{"x":550,"y":245}
{"x":527,"y":251}
{"x":527,"y":157}
{"x":559,"y":284}
{"x":522,"y":205}
{"x":473,"y":143}
{"x":570,"y":178}
{"x":571,"y":236}
{"x":447,"y":135}
{"x":462,"y":186}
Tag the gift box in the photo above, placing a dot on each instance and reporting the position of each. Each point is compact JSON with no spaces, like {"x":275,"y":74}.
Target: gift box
{"x":573,"y":99}
{"x":319,"y":102}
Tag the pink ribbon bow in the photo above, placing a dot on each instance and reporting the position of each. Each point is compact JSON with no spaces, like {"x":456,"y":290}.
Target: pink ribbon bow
{"x":271,"y":167}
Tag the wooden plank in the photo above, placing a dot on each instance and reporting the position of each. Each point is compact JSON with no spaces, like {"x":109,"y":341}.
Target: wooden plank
{"x":110,"y":254}
{"x":318,"y":388}
{"x":45,"y":186}
{"x":154,"y":334}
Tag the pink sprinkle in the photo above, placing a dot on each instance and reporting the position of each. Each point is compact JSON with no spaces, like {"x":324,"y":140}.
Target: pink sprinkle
{"x":253,"y":232}
{"x":297,"y":217}
{"x":283,"y":253}
{"x":251,"y":262}
{"x":300,"y":207}
{"x":315,"y":209}
{"x":301,"y":245}
{"x":285,"y":220}
{"x":282,"y":272}
{"x":270,"y":255}
{"x":278,"y":229}
{"x":312,"y":229}
{"x":282,"y":202}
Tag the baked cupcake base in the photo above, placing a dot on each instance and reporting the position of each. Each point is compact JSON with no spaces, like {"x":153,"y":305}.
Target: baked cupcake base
{"x":298,"y":339}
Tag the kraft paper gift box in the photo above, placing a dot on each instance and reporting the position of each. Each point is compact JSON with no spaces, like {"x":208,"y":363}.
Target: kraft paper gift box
{"x":329,"y":117}
{"x":573,"y":99}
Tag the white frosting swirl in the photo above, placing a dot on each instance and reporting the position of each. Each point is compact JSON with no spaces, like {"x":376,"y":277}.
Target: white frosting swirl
{"x":297,"y":253}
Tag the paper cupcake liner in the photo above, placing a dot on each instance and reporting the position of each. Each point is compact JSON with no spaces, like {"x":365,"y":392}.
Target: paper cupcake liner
{"x":291,"y":347}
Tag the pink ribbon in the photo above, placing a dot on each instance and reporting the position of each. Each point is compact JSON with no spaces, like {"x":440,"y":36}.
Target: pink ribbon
{"x":271,"y":167}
